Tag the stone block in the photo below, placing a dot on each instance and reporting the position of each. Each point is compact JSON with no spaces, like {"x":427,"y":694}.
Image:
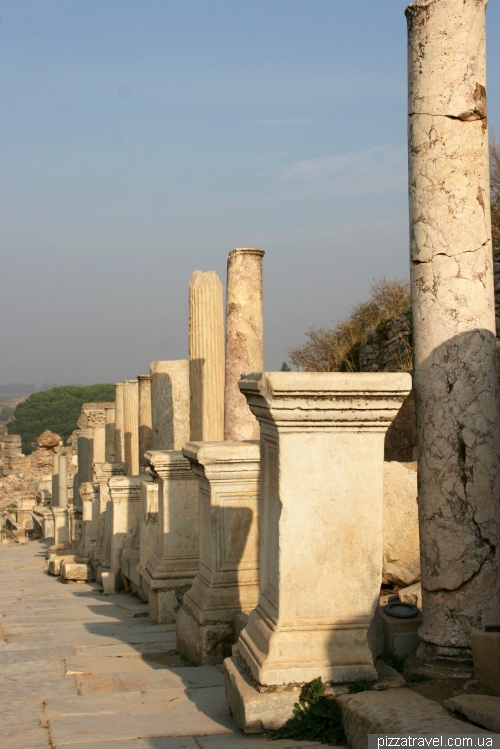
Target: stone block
{"x":412,"y":594}
{"x":254,"y":711}
{"x":397,"y":711}
{"x":78,"y":572}
{"x":108,"y":581}
{"x":401,"y":564}
{"x":479,"y":708}
{"x":486,"y":658}
{"x":55,"y":562}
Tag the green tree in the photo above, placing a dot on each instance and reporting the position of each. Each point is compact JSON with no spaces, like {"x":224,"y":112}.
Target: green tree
{"x":57,"y":409}
{"x":6,"y":413}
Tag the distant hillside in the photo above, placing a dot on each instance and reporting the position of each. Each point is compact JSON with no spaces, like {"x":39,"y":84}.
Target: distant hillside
{"x":18,"y":387}
{"x":57,"y":409}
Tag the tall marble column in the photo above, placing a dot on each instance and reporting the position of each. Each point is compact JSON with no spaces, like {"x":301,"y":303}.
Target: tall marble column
{"x":109,"y":420}
{"x":131,"y":425}
{"x":206,"y":357}
{"x":145,"y":422}
{"x":55,"y":480}
{"x":170,"y":404}
{"x":119,"y":425}
{"x":63,"y":481}
{"x":454,"y":324}
{"x":244,"y":338}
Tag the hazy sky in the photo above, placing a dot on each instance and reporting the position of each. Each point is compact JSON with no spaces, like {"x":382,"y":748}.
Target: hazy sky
{"x":143,"y":139}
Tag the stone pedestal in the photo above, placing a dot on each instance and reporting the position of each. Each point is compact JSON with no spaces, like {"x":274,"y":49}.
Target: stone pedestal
{"x":227,"y":582}
{"x":125,"y":495}
{"x":244,"y":338}
{"x":169,"y":404}
{"x":101,"y":511}
{"x":55,"y":480}
{"x":119,"y":424}
{"x":148,"y":523}
{"x":89,"y":494}
{"x":85,"y":468}
{"x":170,"y":571}
{"x":63,"y":481}
{"x":206,"y":357}
{"x":109,"y":419}
{"x":145,"y":422}
{"x":61,"y":527}
{"x":131,"y":425}
{"x":322,"y":453}
{"x":455,"y":374}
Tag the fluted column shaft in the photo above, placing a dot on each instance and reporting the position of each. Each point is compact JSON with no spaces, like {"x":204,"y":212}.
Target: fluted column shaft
{"x":63,"y":481}
{"x":145,"y":422}
{"x":206,"y":357}
{"x":119,"y":425}
{"x":131,"y":425}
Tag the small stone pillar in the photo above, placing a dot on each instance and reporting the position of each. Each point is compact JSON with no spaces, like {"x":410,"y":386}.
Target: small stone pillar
{"x":63,"y":481}
{"x":61,"y":527}
{"x":109,"y":419}
{"x":145,"y":423}
{"x":170,"y":404}
{"x":322,"y":460}
{"x":206,"y":357}
{"x":244,"y":338}
{"x":119,"y":424}
{"x":455,"y":373}
{"x":131,"y":425}
{"x":170,"y":571}
{"x":55,"y":480}
{"x":227,"y":582}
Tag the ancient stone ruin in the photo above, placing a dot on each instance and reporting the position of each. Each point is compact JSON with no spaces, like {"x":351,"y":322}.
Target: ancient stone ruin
{"x":270,"y":516}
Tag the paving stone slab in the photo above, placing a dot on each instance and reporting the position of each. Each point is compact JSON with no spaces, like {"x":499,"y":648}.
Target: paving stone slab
{"x":108,"y":664}
{"x":239,"y":741}
{"x":124,"y":649}
{"x":117,"y":683}
{"x":481,"y":709}
{"x":396,"y":711}
{"x":199,"y":712}
{"x":183,"y":742}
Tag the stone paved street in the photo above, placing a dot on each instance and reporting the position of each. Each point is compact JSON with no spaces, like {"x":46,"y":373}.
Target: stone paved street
{"x":87,"y":671}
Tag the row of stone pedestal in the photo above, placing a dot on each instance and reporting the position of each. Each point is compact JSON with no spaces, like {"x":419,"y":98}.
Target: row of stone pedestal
{"x":289,"y":530}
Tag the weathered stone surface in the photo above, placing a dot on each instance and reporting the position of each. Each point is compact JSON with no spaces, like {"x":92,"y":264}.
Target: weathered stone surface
{"x":397,"y":711}
{"x":55,"y":480}
{"x":148,"y":522}
{"x":322,"y":443}
{"x":479,"y":708}
{"x":206,"y":357}
{"x":244,"y":339}
{"x":170,"y":571}
{"x":228,"y":577}
{"x":170,"y":404}
{"x":131,"y":425}
{"x":55,"y":561}
{"x":455,"y":374}
{"x":401,"y":564}
{"x":486,"y":657}
{"x":101,"y":514}
{"x":412,"y":594}
{"x":145,"y":419}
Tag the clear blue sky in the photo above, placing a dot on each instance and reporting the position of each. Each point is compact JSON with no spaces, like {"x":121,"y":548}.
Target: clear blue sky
{"x":143,"y":139}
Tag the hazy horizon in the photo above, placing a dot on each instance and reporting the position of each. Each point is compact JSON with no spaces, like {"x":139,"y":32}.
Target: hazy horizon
{"x":143,"y":141}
